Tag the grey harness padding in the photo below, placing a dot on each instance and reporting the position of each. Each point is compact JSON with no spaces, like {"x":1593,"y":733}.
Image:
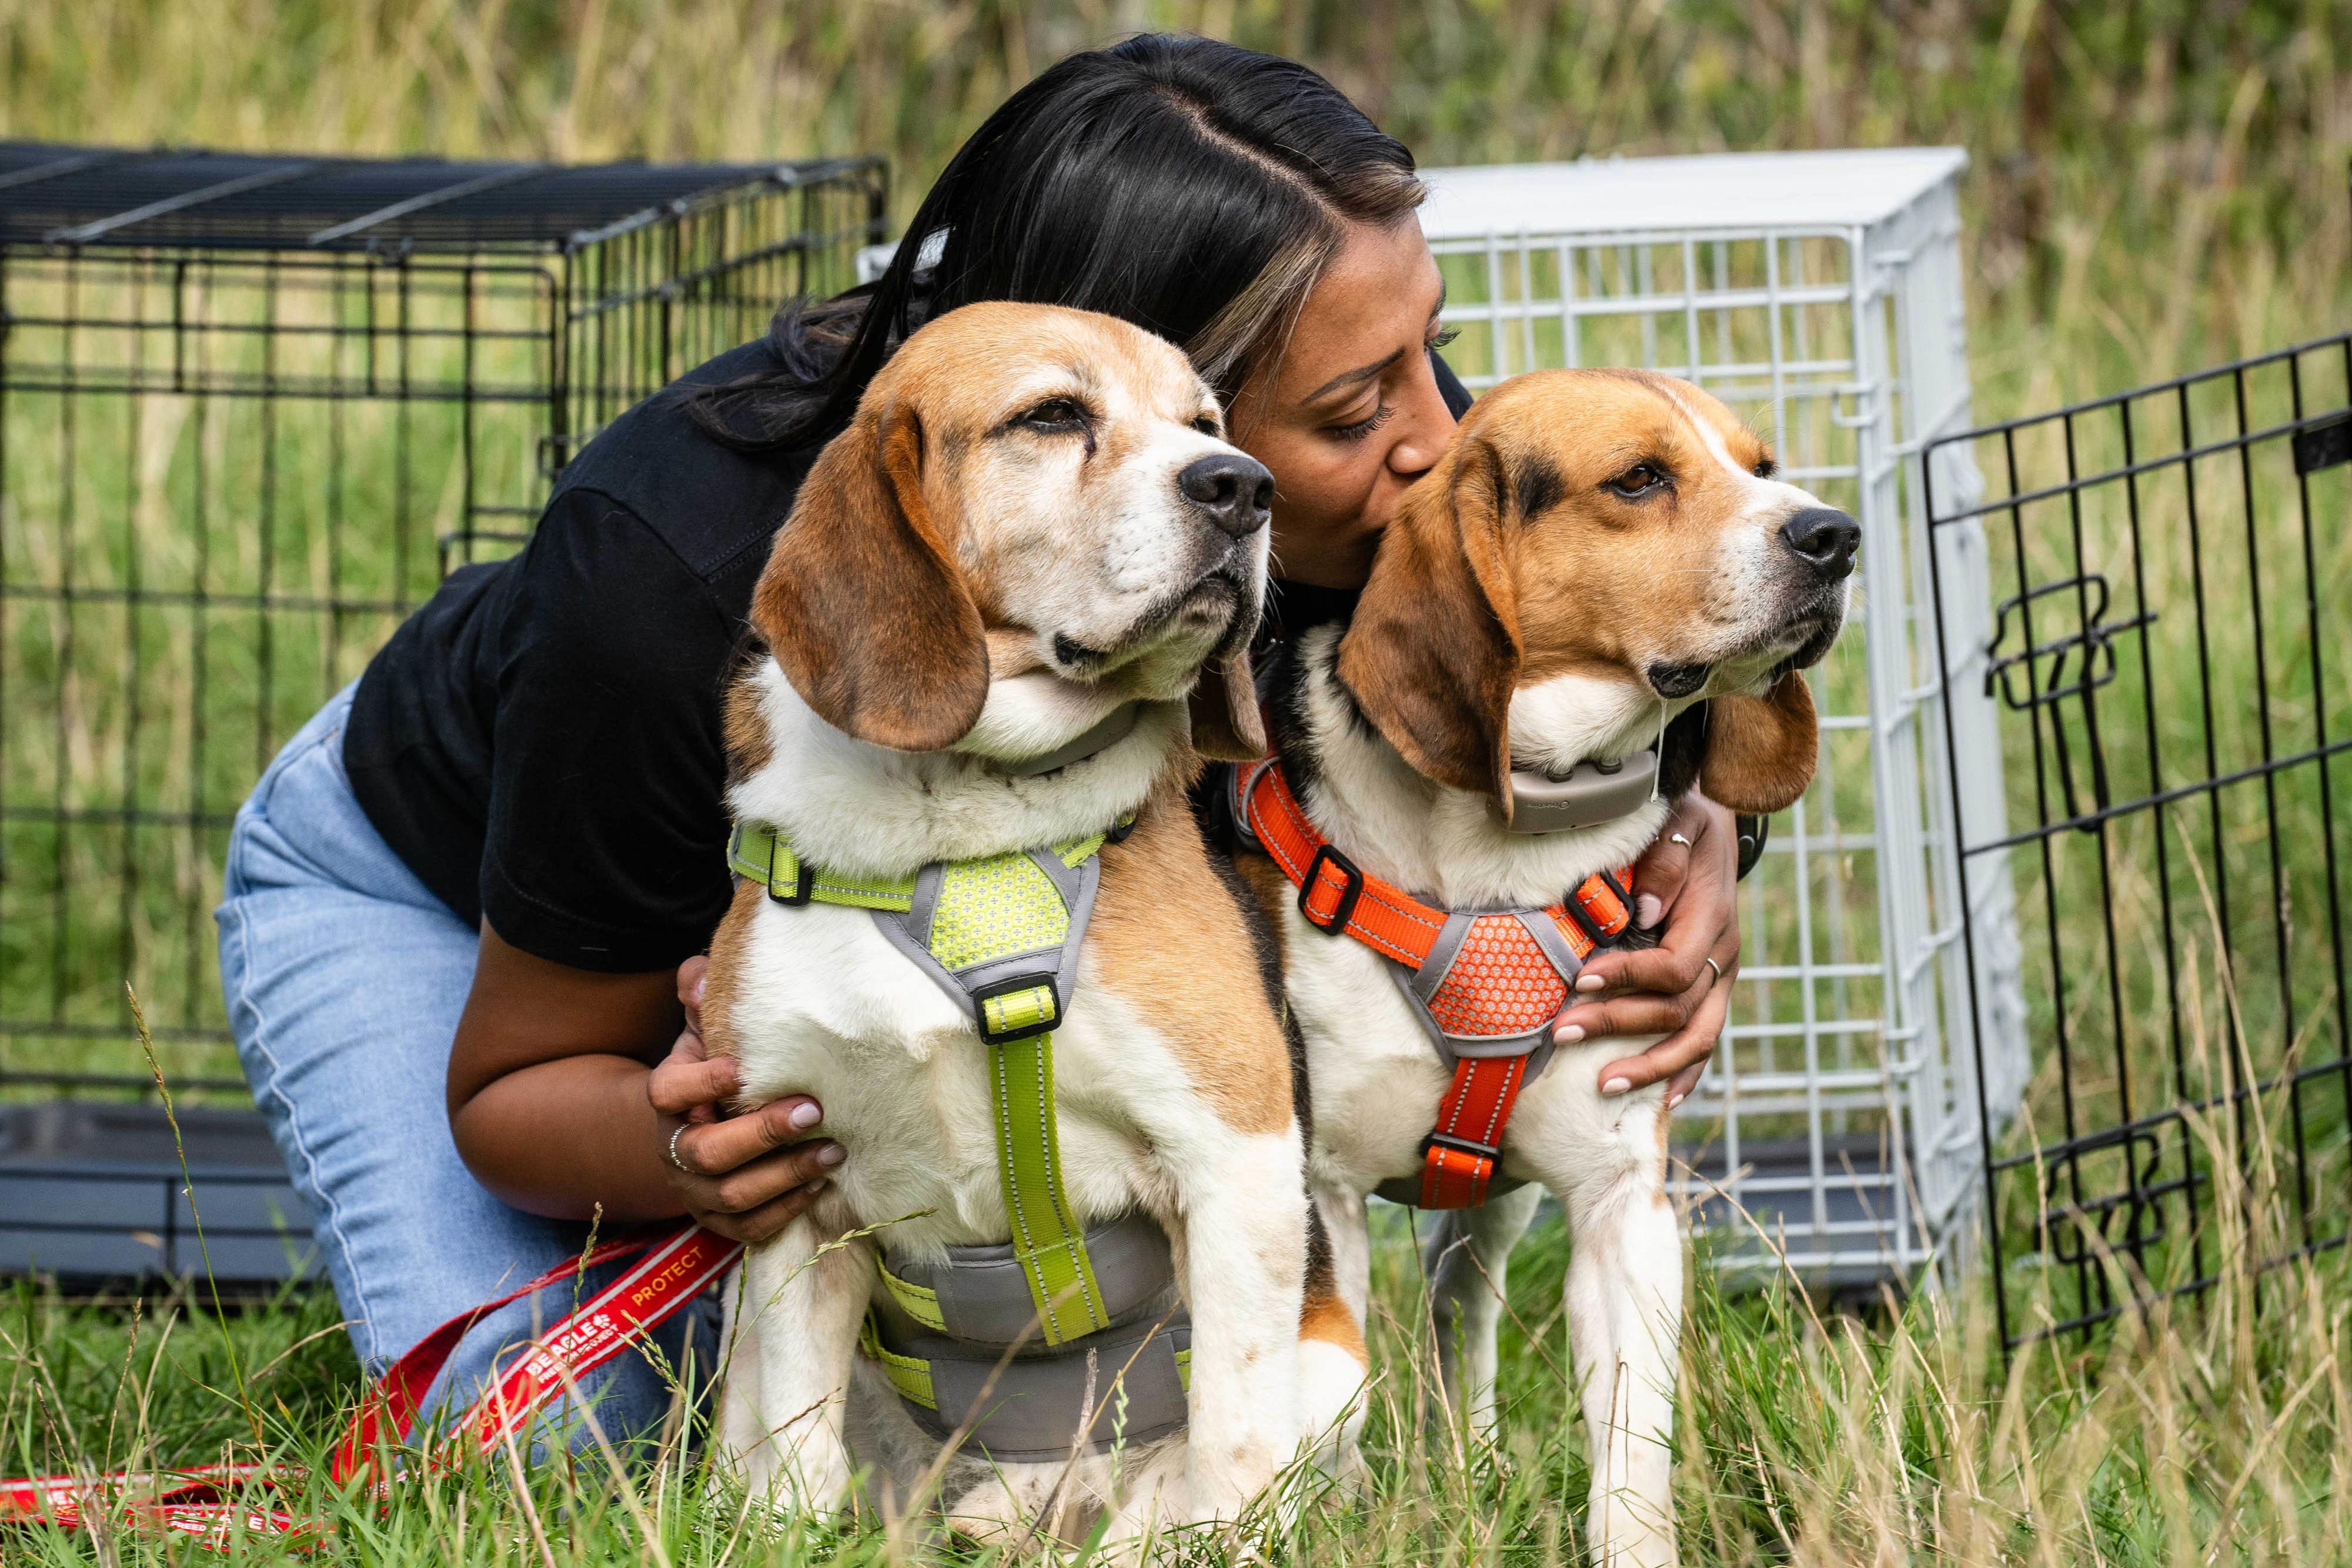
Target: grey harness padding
{"x":984,"y":1301}
{"x":1031,"y":1408}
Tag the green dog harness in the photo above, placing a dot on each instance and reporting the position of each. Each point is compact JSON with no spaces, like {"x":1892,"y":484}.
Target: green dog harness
{"x":1080,"y":1310}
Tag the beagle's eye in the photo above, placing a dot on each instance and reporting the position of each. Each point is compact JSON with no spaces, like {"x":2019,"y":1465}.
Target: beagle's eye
{"x":1640,"y":480}
{"x":1765,"y":467}
{"x":1055,"y":415}
{"x":1206,"y":424}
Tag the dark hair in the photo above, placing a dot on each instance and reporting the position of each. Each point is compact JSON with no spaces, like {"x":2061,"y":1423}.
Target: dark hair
{"x":1189,"y":187}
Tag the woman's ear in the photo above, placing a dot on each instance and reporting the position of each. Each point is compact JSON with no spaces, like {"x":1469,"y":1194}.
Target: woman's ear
{"x":862,"y":603}
{"x":1226,"y":724}
{"x":1432,"y":653}
{"x":1761,"y":751}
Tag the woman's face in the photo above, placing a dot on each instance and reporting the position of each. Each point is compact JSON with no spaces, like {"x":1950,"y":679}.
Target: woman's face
{"x":1349,"y":413}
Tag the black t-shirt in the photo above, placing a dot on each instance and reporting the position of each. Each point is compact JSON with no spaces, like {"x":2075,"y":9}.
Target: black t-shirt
{"x":540,"y":741}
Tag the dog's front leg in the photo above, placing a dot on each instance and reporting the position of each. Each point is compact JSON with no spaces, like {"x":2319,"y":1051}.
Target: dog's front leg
{"x":1245,"y":1262}
{"x":802,"y":1300}
{"x":1466,"y":1259}
{"x":1624,"y":1306}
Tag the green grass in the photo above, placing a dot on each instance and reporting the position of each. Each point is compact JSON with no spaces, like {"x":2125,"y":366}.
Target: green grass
{"x":2152,"y":188}
{"x":1889,"y":1437}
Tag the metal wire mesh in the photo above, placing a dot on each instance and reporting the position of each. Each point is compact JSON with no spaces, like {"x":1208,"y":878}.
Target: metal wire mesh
{"x":238,"y":445}
{"x":2167,"y":658}
{"x":1835,"y":1133}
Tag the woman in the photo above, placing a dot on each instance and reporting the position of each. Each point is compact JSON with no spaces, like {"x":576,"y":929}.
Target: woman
{"x":462,"y":906}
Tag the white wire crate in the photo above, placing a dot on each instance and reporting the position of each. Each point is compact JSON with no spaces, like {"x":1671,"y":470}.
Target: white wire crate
{"x":1820,"y":295}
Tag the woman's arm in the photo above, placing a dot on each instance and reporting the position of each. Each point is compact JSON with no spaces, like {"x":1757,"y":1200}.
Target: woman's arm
{"x":559,"y":1106}
{"x":1670,"y":989}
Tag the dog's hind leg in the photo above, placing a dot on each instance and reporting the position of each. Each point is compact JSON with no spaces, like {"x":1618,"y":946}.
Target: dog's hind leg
{"x":1468,"y":1257}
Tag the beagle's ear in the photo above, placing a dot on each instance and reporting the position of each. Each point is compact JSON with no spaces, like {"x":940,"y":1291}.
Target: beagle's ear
{"x":1761,"y":751}
{"x":1433,"y":655}
{"x":1226,"y":724}
{"x":862,"y":603}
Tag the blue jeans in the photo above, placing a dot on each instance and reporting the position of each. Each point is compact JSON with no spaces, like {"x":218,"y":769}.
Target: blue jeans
{"x":344,"y":978}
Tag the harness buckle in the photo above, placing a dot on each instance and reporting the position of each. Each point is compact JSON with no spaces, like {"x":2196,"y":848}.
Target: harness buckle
{"x":1011,"y":1024}
{"x":805,"y":886}
{"x":1349,"y":890}
{"x":1574,"y":907}
{"x":1461,"y":1145}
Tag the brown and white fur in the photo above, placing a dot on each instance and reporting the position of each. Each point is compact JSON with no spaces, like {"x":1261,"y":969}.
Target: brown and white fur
{"x":1597,"y":561}
{"x":995,"y":555}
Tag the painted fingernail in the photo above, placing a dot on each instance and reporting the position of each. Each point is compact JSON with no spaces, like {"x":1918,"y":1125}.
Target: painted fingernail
{"x":1648,"y":911}
{"x":1674,"y":1099}
{"x":1568,"y":1034}
{"x":1590,"y":982}
{"x":832,"y":1154}
{"x":805,"y":1115}
{"x":1616,"y":1086}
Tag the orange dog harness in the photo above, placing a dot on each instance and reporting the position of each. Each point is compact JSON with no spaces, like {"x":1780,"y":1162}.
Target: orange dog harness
{"x":1486,"y":983}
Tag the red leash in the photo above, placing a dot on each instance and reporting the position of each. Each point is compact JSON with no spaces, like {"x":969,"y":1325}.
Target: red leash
{"x":213,"y":1502}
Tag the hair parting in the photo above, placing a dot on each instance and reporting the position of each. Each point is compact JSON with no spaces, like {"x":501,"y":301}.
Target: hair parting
{"x":1193,"y":187}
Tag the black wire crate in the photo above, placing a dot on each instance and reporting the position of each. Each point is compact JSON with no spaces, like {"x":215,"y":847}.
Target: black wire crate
{"x":252,"y":409}
{"x":2171,"y":570}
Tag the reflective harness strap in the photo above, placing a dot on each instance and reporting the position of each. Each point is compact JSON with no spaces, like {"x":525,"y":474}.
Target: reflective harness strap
{"x":1500,"y":979}
{"x":1000,"y":935}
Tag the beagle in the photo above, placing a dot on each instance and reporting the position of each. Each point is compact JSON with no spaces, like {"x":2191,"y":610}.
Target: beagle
{"x":1602,"y":579}
{"x":1011,"y":608}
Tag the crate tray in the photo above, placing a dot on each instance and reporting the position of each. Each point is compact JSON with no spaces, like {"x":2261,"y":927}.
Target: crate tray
{"x":91,"y":1193}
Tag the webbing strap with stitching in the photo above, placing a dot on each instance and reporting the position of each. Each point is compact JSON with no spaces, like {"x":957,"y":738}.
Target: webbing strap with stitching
{"x":1046,"y":1235}
{"x":1464,"y":1149}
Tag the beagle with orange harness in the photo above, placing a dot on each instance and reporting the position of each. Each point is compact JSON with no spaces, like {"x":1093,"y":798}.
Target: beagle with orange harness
{"x":1601,"y":597}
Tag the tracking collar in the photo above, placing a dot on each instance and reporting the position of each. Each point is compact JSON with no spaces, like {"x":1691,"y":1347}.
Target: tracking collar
{"x":1115,"y":726}
{"x":1587,"y":795}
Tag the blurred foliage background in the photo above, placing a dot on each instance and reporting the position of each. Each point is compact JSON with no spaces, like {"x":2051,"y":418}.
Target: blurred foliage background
{"x":2154,"y":183}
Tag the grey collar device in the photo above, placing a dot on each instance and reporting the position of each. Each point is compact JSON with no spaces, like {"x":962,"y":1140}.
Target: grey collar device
{"x":1115,"y":726}
{"x":1589,"y":794}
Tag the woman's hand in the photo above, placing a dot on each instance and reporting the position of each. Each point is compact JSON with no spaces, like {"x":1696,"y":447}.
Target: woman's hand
{"x":744,"y":1176}
{"x":1688,"y":880}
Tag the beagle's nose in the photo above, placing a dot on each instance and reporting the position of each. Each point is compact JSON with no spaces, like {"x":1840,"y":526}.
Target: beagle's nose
{"x":1824,"y":540}
{"x":1236,"y":492}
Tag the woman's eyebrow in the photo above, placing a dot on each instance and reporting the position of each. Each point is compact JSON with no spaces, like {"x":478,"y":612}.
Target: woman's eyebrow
{"x":1361,"y":374}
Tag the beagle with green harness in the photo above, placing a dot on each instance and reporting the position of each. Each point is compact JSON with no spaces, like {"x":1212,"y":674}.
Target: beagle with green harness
{"x":1060,"y":1278}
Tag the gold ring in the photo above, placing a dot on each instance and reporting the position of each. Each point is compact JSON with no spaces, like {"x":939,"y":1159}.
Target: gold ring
{"x":681,"y":1165}
{"x":1710,"y":964}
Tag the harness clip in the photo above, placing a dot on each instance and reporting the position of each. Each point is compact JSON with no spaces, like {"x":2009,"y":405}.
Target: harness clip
{"x":1461,"y":1145}
{"x":1350,"y":892}
{"x":1010,"y":1023}
{"x":804,"y":887}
